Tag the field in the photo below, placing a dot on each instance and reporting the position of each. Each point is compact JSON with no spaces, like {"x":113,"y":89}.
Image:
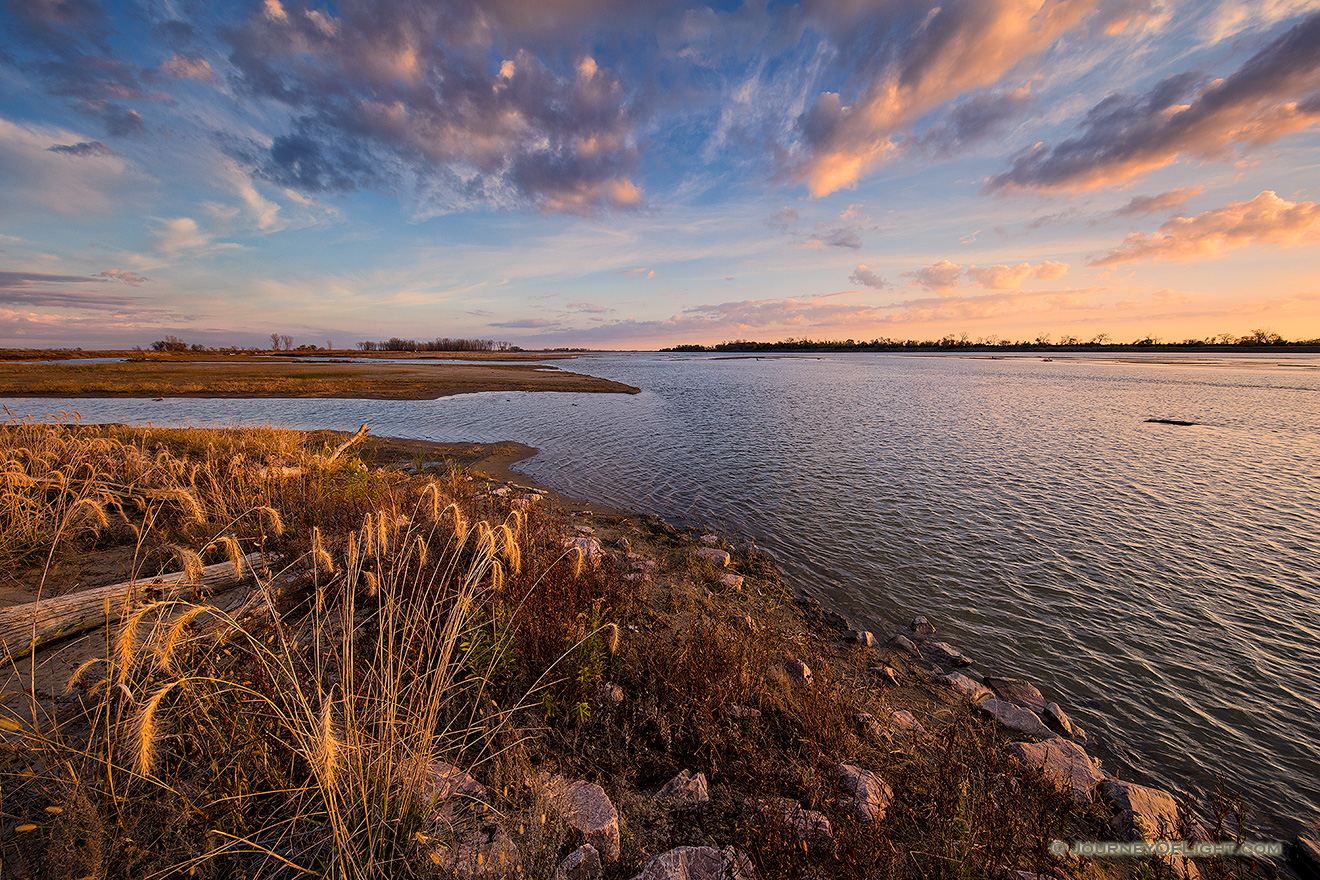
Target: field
{"x":212,"y":375}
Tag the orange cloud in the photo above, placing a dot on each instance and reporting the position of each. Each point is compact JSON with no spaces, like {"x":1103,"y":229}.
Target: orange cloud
{"x":940,"y":276}
{"x":1266,"y":218}
{"x":959,"y":48}
{"x":1013,"y":277}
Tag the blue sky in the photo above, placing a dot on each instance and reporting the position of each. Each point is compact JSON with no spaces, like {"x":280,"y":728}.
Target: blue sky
{"x":622,"y":175}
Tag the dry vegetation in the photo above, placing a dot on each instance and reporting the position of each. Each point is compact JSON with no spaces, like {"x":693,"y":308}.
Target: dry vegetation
{"x":213,"y":376}
{"x":402,"y":619}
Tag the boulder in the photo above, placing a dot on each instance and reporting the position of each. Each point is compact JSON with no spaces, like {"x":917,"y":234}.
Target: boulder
{"x":731,"y":580}
{"x":1015,"y":718}
{"x":610,"y":693}
{"x":1064,"y":763}
{"x":582,"y":863}
{"x":479,"y":851}
{"x":439,"y":782}
{"x":584,"y":529}
{"x":806,"y":827}
{"x":902,"y":719}
{"x":972,"y":690}
{"x":1143,"y":813}
{"x":799,"y":673}
{"x":716,"y":557}
{"x":590,"y":547}
{"x":476,"y":846}
{"x":860,"y":637}
{"x":699,"y":863}
{"x":919,"y":627}
{"x":1017,"y":690}
{"x":886,"y":674}
{"x":586,"y":807}
{"x":1058,"y":719}
{"x":867,"y":794}
{"x":903,"y":645}
{"x":687,"y":789}
{"x":943,"y":652}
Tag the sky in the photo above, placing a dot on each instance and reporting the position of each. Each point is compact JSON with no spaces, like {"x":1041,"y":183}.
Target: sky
{"x":621,"y":175}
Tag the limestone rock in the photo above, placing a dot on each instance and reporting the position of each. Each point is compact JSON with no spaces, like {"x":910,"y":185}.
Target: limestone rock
{"x":868,"y":794}
{"x":714,"y":556}
{"x":905,"y":720}
{"x":972,"y":690}
{"x":480,"y":851}
{"x":799,"y":673}
{"x":860,"y":637}
{"x":943,"y":652}
{"x":637,"y":577}
{"x":1017,"y":690}
{"x":687,"y":789}
{"x":582,"y":863}
{"x":590,"y":547}
{"x":885,"y":673}
{"x":584,"y":529}
{"x":1064,"y":763}
{"x":903,"y":645}
{"x":710,"y":540}
{"x":699,"y":863}
{"x":805,"y":827}
{"x":642,"y":565}
{"x":1015,"y":718}
{"x":586,"y":807}
{"x":439,"y":782}
{"x":610,"y":693}
{"x":1144,"y":813}
{"x":731,"y":580}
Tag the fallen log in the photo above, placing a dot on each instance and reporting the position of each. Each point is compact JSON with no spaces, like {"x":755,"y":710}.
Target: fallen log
{"x":24,"y":628}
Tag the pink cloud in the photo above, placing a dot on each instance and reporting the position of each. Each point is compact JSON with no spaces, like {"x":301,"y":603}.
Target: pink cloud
{"x":864,"y":276}
{"x":124,"y":276}
{"x":1266,"y":218}
{"x":1013,"y":277}
{"x":940,"y":276}
{"x":1142,"y":206}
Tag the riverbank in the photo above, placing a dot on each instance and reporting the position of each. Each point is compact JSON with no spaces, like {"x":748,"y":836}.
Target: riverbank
{"x":604,"y":680}
{"x":211,"y":375}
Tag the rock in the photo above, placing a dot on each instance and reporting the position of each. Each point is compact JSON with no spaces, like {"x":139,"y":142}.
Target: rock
{"x":905,"y":720}
{"x":903,"y":645}
{"x":699,"y":863}
{"x":743,"y":712}
{"x":584,"y":529}
{"x":868,"y":794}
{"x":684,"y":790}
{"x":440,"y":782}
{"x":590,"y":547}
{"x":710,"y":540}
{"x":731,"y":580}
{"x":834,"y":620}
{"x":637,"y":577}
{"x":586,"y":807}
{"x":1025,"y":875}
{"x":1055,"y":717}
{"x":1015,"y":718}
{"x":1306,"y":856}
{"x":623,"y":543}
{"x":860,"y":637}
{"x":1064,"y":763}
{"x":972,"y":690}
{"x":872,"y":727}
{"x":714,"y":556}
{"x":943,"y":652}
{"x":1144,"y":813}
{"x":642,"y":565}
{"x":919,"y":627}
{"x":799,"y":673}
{"x":480,"y":851}
{"x":501,"y":491}
{"x":885,"y":673}
{"x":609,"y":692}
{"x":806,"y":827}
{"x":582,"y":863}
{"x":1017,"y":690}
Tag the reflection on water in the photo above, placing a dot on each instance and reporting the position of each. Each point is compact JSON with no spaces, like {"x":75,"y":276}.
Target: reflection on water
{"x":1158,"y":580}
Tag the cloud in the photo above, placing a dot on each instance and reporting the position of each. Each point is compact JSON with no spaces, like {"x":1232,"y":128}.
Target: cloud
{"x":1142,"y":206}
{"x":1266,"y":218}
{"x":36,"y":289}
{"x":843,"y":237}
{"x":382,"y":95}
{"x":589,"y":308}
{"x":122,"y":275}
{"x":939,"y":277}
{"x":1276,"y":92}
{"x":867,"y":278}
{"x":945,"y":275}
{"x":1013,"y":277}
{"x":82,"y":148}
{"x":928,"y":59}
{"x":782,"y":219}
{"x":527,"y":324}
{"x":972,"y":120}
{"x":182,"y":235}
{"x":187,"y":67}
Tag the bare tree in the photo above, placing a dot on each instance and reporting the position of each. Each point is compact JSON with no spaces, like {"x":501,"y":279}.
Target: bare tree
{"x":275,"y":341}
{"x":288,"y":342}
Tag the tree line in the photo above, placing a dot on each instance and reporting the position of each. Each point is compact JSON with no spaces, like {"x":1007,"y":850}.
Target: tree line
{"x":442,"y":343}
{"x":1254,"y":339}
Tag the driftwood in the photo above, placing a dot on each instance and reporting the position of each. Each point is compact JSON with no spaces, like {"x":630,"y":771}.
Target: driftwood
{"x":24,"y":628}
{"x":362,"y":432}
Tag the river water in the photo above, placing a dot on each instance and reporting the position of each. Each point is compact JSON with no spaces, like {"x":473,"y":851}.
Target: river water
{"x":1161,"y":581}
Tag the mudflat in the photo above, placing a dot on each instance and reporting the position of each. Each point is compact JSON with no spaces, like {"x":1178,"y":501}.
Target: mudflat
{"x":267,"y":377}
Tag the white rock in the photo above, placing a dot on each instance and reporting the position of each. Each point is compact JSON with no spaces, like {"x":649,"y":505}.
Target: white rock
{"x":582,"y":863}
{"x":905,"y":720}
{"x":1016,"y":718}
{"x":731,"y":580}
{"x":699,"y":863}
{"x":714,"y":556}
{"x":943,"y":652}
{"x":805,"y":826}
{"x":799,"y":673}
{"x":868,"y":794}
{"x":586,"y":807}
{"x":1017,"y":690}
{"x":970,"y":689}
{"x":687,"y":789}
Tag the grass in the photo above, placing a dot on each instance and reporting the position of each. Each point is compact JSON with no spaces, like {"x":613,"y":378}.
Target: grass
{"x":405,"y":624}
{"x":214,"y":376}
